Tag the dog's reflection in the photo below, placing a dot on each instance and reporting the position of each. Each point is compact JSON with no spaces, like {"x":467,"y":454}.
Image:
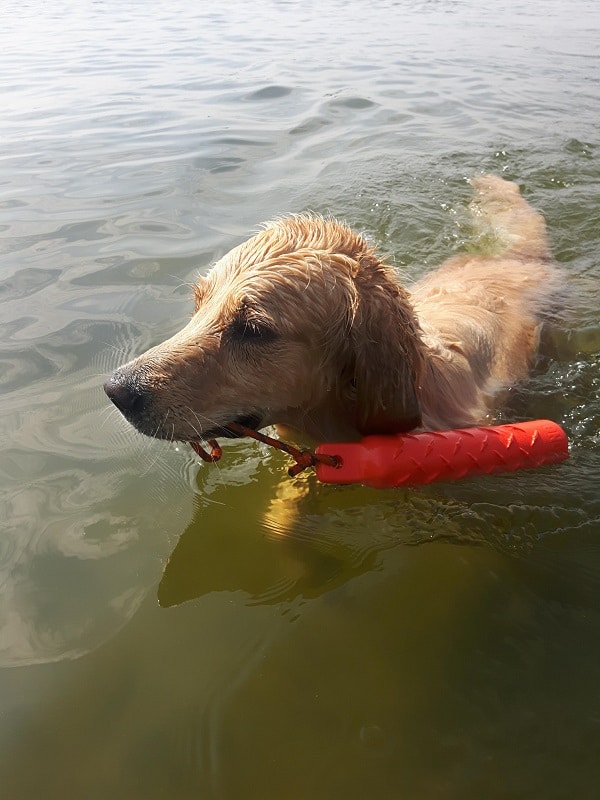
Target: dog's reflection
{"x":278,"y":555}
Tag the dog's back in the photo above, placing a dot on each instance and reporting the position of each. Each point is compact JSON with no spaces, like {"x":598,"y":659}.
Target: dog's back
{"x":481,"y":315}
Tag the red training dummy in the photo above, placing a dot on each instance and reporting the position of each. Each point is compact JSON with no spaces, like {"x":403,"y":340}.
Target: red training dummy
{"x":419,"y":458}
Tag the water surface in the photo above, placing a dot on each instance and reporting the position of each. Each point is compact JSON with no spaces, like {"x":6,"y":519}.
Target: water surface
{"x":173,"y":630}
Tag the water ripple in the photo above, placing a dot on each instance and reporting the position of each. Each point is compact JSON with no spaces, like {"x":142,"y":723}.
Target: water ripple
{"x":139,"y":144}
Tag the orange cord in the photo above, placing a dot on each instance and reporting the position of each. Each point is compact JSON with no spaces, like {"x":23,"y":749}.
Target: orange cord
{"x":303,"y":458}
{"x":215,"y":451}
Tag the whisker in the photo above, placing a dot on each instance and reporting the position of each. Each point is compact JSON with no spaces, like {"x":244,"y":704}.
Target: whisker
{"x":108,"y":414}
{"x":155,"y":459}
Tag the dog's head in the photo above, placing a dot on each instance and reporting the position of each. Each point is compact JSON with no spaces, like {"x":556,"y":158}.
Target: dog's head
{"x":301,"y":325}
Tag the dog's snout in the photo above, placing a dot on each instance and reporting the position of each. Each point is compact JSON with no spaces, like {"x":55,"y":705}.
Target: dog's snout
{"x":127,"y":398}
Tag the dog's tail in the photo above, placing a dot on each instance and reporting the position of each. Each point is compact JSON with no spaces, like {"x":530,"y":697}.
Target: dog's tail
{"x":519,"y":229}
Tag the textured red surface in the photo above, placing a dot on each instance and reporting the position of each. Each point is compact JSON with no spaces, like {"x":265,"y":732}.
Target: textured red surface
{"x":411,"y":459}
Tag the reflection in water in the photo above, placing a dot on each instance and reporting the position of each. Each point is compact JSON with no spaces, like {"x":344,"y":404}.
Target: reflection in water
{"x":325,"y":650}
{"x":74,"y":563}
{"x":68,"y":581}
{"x":445,"y":603}
{"x":309,"y":539}
{"x":219,"y":552}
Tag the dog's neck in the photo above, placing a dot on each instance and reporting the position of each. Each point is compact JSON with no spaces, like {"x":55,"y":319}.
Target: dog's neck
{"x":448,"y":394}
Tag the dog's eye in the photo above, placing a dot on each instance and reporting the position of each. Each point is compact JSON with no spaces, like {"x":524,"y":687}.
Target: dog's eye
{"x":248,"y":329}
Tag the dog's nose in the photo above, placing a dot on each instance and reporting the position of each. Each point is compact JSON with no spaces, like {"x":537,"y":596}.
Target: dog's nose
{"x":126,"y":397}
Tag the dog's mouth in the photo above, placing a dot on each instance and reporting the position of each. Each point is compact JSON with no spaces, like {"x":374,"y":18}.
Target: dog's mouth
{"x":251,"y":420}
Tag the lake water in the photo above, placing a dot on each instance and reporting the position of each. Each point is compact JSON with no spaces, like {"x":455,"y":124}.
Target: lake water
{"x":176,"y":630}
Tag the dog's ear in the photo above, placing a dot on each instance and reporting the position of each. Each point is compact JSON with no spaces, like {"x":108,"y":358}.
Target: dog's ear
{"x":387,"y":357}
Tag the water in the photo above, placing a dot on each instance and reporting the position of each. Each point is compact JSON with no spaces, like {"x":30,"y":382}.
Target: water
{"x":176,"y":630}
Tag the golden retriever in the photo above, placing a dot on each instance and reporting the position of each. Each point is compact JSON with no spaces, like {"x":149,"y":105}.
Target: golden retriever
{"x":304,"y":326}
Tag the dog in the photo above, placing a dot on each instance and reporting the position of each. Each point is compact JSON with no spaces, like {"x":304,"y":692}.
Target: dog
{"x":305,"y":327}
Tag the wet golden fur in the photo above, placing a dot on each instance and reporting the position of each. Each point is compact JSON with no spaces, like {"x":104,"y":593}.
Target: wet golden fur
{"x":304,"y":326}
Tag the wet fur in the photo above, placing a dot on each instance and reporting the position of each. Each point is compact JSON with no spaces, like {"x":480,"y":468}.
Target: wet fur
{"x":305,"y":326}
